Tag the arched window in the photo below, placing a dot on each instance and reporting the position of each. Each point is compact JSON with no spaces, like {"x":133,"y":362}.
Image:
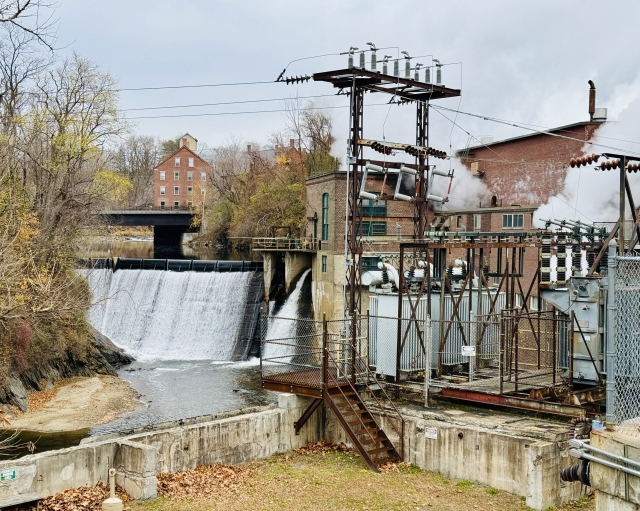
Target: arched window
{"x":325,"y":217}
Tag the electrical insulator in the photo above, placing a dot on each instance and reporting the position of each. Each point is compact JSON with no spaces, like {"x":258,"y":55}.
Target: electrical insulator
{"x":350,"y":60}
{"x":362,"y":62}
{"x":416,"y":75}
{"x":385,"y":68}
{"x":438,"y":75}
{"x":545,"y":258}
{"x":407,"y":69}
{"x":396,"y":68}
{"x":561,"y":277}
{"x":407,"y":170}
{"x":374,"y":61}
{"x":427,"y":75}
{"x":367,"y":195}
{"x":400,"y":196}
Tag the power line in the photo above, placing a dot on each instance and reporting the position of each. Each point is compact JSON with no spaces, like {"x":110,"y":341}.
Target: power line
{"x":516,"y":125}
{"x":225,"y":103}
{"x":244,"y":112}
{"x":199,"y":86}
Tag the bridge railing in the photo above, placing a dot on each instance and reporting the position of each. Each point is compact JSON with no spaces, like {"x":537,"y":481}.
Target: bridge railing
{"x":307,"y":244}
{"x":143,"y":209}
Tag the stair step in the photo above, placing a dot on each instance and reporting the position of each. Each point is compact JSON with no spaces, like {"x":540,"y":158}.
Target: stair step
{"x":380,"y":449}
{"x":363,"y":421}
{"x":355,"y":412}
{"x":371,"y":431}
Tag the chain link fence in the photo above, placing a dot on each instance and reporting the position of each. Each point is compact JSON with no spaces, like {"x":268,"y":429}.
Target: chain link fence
{"x":627,"y":344}
{"x":291,"y":351}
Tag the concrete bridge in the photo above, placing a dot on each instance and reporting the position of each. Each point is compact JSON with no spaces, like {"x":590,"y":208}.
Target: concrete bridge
{"x":168,"y":224}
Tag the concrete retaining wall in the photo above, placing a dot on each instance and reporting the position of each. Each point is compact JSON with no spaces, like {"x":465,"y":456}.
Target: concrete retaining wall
{"x":615,"y":490}
{"x":514,"y":454}
{"x":508,"y":452}
{"x":233,"y":440}
{"x":45,"y":474}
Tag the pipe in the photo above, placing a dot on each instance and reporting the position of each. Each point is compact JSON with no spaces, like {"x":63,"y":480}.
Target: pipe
{"x":578,"y":444}
{"x":393,"y":273}
{"x":371,"y":278}
{"x":592,"y":99}
{"x":610,"y":350}
{"x":576,"y":453}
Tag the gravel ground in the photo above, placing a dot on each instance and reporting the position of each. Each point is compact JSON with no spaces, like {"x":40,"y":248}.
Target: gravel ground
{"x":76,"y":403}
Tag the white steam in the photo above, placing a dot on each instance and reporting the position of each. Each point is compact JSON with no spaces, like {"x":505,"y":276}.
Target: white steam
{"x":466,"y":192}
{"x":593,"y":196}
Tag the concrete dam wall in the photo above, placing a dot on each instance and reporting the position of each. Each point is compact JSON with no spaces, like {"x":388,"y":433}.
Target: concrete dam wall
{"x":171,"y":315}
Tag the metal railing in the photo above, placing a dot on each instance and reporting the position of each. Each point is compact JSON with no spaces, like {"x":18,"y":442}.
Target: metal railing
{"x":308,"y":244}
{"x":532,"y":349}
{"x":322,"y":355}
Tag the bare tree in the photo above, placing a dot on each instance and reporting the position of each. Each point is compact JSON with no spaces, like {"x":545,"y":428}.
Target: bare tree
{"x":73,"y":116}
{"x":33,"y":17}
{"x":136,"y":158}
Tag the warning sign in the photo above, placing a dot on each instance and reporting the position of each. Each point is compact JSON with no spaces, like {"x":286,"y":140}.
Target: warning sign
{"x":431,"y":433}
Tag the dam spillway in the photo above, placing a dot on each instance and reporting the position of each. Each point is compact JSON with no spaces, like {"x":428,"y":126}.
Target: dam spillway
{"x":167,"y":315}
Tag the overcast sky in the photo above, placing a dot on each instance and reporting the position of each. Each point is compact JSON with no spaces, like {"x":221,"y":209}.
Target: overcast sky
{"x":523,"y":61}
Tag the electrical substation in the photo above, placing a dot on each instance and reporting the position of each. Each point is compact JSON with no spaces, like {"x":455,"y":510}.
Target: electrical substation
{"x":449,"y":319}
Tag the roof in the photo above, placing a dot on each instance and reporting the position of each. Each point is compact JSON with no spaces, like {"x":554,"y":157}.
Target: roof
{"x":487,"y":210}
{"x":177,"y":151}
{"x":529,"y":135}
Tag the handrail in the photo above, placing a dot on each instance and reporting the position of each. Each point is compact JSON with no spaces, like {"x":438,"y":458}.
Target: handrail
{"x":371,"y":376}
{"x":364,"y":380}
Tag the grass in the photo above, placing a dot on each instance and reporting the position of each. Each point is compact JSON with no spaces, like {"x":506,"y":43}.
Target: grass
{"x":340,"y":481}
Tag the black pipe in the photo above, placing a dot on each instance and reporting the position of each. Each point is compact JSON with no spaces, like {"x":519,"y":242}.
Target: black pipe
{"x":579,"y":472}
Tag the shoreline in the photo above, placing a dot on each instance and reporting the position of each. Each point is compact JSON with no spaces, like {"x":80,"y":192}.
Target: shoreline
{"x":76,"y":403}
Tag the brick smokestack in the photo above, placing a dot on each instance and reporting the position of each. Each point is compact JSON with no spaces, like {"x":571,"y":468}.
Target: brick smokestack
{"x":592,"y":99}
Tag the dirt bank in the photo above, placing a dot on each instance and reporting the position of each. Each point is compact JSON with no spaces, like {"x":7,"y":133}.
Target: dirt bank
{"x":77,"y":403}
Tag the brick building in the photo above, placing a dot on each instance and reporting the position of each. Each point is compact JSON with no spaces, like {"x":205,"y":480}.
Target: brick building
{"x":531,"y":168}
{"x":180,"y":180}
{"x":385,"y":224}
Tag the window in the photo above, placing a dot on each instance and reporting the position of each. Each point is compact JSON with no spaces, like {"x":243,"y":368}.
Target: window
{"x":374,"y":207}
{"x":176,"y":176}
{"x":459,"y":223}
{"x":325,"y":217}
{"x":190,"y":162}
{"x":162,"y":204}
{"x":203,"y":176}
{"x":189,"y":190}
{"x":369,"y":263}
{"x":533,"y":303}
{"x":176,"y":205}
{"x":177,"y":163}
{"x":163,"y":176}
{"x":477,"y":222}
{"x":324,"y":264}
{"x":373,"y":228}
{"x":512,"y":221}
{"x":163,"y":190}
{"x":176,"y":190}
{"x":189,"y":176}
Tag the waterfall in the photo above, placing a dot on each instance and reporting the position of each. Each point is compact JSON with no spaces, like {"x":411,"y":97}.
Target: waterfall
{"x":176,"y":315}
{"x":282,"y":327}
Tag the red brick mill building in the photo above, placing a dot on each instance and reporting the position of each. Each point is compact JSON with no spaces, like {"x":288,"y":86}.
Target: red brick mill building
{"x":180,"y":180}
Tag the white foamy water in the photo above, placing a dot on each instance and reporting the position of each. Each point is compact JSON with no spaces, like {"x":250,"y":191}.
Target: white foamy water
{"x":164,"y":315}
{"x":281,"y":326}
